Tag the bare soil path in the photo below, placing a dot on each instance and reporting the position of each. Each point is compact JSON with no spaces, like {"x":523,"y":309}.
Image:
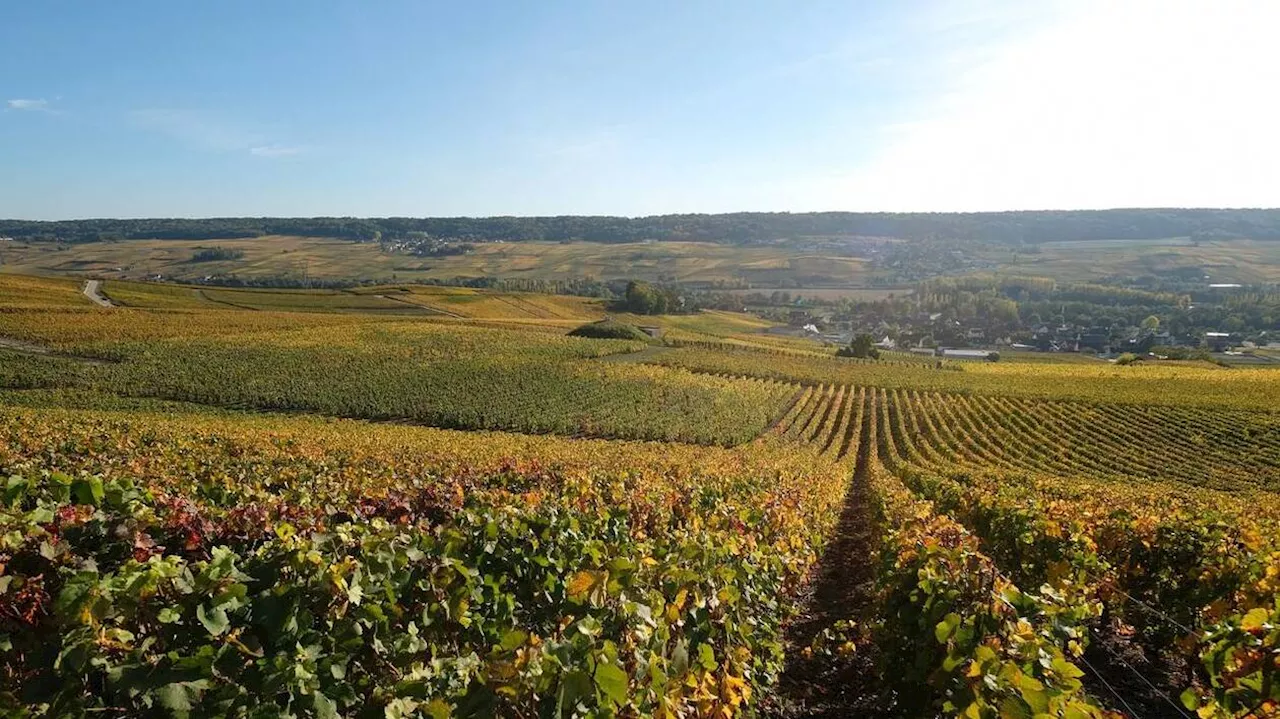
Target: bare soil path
{"x":29,"y":348}
{"x":841,"y":588}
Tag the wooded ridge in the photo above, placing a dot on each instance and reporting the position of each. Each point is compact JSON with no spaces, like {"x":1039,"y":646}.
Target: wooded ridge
{"x":731,"y":228}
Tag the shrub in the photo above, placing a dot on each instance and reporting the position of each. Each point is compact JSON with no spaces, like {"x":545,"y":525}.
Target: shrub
{"x":610,"y":330}
{"x":216,"y":254}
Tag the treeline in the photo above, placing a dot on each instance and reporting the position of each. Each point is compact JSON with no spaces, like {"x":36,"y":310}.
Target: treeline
{"x":1014,"y":306}
{"x":80,"y":231}
{"x":1044,"y":288}
{"x":732,"y":228}
{"x":611,"y":289}
{"x":1007,"y":303}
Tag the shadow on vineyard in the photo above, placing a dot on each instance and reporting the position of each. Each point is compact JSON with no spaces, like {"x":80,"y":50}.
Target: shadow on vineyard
{"x":1145,"y":686}
{"x":834,"y":679}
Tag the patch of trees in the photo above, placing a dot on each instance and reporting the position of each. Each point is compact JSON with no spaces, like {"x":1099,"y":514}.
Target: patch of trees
{"x":642,"y":298}
{"x":861,"y":346}
{"x":1015,"y":228}
{"x":975,"y":310}
{"x":610,"y":330}
{"x":572,"y":286}
{"x":282,"y":282}
{"x":216,"y":254}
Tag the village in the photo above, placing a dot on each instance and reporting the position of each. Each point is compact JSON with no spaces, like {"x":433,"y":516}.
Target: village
{"x":935,"y":334}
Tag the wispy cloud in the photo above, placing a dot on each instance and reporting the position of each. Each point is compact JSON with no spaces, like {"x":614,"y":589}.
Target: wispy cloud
{"x":29,"y":105}
{"x":842,"y":60}
{"x":198,"y":129}
{"x":589,"y":146}
{"x":210,"y":132}
{"x":276,"y":151}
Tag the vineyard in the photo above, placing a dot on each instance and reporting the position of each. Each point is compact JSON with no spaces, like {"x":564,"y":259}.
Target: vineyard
{"x":1098,"y":382}
{"x":1014,"y":530}
{"x":196,"y":565}
{"x":447,"y":376}
{"x":318,"y":507}
{"x":1185,"y":566}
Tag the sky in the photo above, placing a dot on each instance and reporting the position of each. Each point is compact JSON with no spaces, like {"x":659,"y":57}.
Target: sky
{"x":154,"y":108}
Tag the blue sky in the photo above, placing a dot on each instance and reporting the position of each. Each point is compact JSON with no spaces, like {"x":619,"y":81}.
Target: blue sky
{"x":409,"y":107}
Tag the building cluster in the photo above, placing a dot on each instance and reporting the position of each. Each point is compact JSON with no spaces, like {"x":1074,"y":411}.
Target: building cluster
{"x":933,"y":333}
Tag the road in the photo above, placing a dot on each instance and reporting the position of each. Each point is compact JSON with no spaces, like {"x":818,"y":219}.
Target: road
{"x":91,"y":290}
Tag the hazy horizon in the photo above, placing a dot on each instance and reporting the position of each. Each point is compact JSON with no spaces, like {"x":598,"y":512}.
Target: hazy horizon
{"x":665,"y":214}
{"x":580,"y":108}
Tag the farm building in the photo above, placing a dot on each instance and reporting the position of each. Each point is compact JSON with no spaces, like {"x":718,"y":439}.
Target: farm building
{"x":1217,"y":341}
{"x":964,"y":353}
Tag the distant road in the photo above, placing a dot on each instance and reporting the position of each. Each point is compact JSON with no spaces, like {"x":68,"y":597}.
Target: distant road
{"x":91,"y":290}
